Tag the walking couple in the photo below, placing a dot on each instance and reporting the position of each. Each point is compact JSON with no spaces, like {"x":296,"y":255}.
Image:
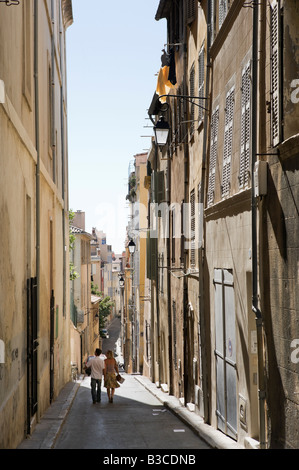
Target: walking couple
{"x":100,"y":366}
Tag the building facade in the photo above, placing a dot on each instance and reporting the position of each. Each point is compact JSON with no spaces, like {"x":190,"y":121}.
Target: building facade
{"x":34,"y":267}
{"x":228,"y":179}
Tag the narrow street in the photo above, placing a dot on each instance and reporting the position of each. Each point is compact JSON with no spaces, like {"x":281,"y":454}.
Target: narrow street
{"x":135,"y":420}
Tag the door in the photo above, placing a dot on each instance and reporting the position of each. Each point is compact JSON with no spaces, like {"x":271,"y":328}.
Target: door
{"x":225,"y":353}
{"x":52,"y":325}
{"x":32,"y":346}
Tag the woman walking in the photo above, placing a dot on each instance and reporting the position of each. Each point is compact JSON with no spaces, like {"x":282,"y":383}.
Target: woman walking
{"x":110,"y":371}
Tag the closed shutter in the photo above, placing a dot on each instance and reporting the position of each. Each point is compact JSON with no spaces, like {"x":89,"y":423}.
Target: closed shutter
{"x":275,"y":72}
{"x":201,"y":80}
{"x":151,"y":257}
{"x":222,"y":11}
{"x":160,"y":187}
{"x":192,"y":234}
{"x":148,"y":256}
{"x":192,"y":105}
{"x":228,"y":139}
{"x":245,"y":126}
{"x":191,"y":10}
{"x":212,"y":19}
{"x":213,"y":155}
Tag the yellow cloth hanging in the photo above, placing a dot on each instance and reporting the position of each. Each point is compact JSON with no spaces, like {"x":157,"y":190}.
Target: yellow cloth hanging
{"x":163,"y":84}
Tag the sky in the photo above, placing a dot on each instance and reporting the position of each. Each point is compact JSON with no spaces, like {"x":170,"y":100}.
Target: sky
{"x":114,"y":53}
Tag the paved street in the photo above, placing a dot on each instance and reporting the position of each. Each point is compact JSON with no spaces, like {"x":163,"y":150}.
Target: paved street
{"x":141,"y":417}
{"x":135,"y":420}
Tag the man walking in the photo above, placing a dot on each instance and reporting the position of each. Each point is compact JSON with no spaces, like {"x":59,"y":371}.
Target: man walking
{"x":97,"y":365}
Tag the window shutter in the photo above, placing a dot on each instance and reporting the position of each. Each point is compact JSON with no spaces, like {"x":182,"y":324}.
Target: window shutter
{"x":191,"y":11}
{"x":245,"y":126}
{"x":228,"y":139}
{"x":160,"y":187}
{"x":213,"y":155}
{"x":192,"y":105}
{"x":201,"y":80}
{"x":148,"y":255}
{"x":173,"y":221}
{"x":222,"y":11}
{"x":212,"y":19}
{"x":192,"y":233}
{"x":275,"y":72}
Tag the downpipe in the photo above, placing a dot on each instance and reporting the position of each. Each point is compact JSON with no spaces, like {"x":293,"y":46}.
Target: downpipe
{"x":255,"y":309}
{"x":37,"y":180}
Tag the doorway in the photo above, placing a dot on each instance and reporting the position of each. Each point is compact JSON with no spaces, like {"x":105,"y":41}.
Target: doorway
{"x":225,"y":352}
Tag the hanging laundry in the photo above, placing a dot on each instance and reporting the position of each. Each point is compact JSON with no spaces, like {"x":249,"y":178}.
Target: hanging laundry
{"x":163,"y":84}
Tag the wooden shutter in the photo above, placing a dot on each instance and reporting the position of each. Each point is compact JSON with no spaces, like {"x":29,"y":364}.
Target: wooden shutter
{"x":192,"y":105}
{"x":228,"y":139}
{"x":192,"y":232}
{"x":275,"y":72}
{"x":212,"y":19}
{"x":191,"y":10}
{"x":213,"y":155}
{"x":160,"y":187}
{"x":222,"y":12}
{"x":201,"y":81}
{"x":245,"y":126}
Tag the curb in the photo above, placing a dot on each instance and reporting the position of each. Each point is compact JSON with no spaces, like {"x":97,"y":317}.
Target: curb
{"x":211,"y":436}
{"x":48,"y":428}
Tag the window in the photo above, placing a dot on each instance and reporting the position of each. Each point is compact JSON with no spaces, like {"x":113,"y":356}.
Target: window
{"x":223,"y":7}
{"x":245,"y":126}
{"x":173,"y":235}
{"x":213,"y":155}
{"x":191,"y":10}
{"x":276,"y":68}
{"x":192,"y":233}
{"x":28,"y":52}
{"x":228,"y":140}
{"x":201,"y":80}
{"x":192,"y":105}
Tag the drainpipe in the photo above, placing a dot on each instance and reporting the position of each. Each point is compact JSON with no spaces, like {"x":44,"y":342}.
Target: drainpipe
{"x":156,"y":282}
{"x":37,"y":178}
{"x":53,"y":143}
{"x":65,"y":200}
{"x":168,"y":241}
{"x":186,"y":199}
{"x":255,"y":308}
{"x":205,"y":387}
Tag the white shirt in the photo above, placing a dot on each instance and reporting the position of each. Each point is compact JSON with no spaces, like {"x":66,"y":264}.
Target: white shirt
{"x":97,"y":365}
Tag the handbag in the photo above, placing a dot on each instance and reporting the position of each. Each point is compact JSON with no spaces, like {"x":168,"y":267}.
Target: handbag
{"x":88,"y":371}
{"x":120,"y":379}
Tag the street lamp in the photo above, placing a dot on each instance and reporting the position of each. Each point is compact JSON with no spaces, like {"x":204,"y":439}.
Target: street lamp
{"x":131,"y":247}
{"x":121,"y":282}
{"x":161,"y":130}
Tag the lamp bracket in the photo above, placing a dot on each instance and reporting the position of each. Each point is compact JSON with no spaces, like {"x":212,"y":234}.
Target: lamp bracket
{"x":188,"y":98}
{"x":10,"y":2}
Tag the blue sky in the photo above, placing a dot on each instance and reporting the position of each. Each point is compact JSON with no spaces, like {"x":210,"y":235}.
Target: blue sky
{"x":113,"y":56}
